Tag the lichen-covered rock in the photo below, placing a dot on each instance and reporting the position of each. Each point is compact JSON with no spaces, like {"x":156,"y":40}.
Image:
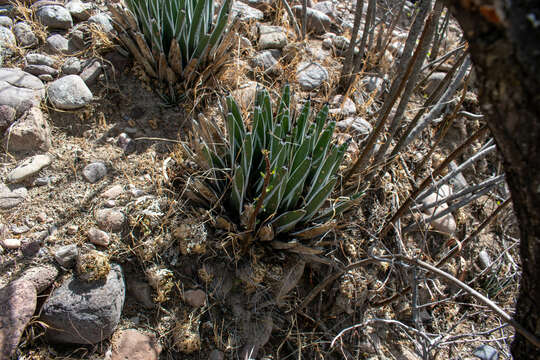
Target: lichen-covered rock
{"x":69,"y":93}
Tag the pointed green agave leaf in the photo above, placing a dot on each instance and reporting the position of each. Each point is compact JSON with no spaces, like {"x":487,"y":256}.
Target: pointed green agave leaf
{"x":318,"y":200}
{"x":286,"y":221}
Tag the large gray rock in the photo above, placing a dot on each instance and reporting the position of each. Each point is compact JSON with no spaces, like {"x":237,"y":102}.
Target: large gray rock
{"x":24,"y":34}
{"x":17,"y":303}
{"x":317,"y":22}
{"x":28,"y":168}
{"x":20,"y":90}
{"x":54,"y":17}
{"x":79,"y":312}
{"x":246,"y":12}
{"x":30,"y":133}
{"x":311,"y":75}
{"x":69,"y":92}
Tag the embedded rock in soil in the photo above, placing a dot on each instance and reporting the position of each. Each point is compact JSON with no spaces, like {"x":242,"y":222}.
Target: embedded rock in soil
{"x":24,"y":34}
{"x":356,"y":124}
{"x":94,"y":172}
{"x":79,"y":312}
{"x":54,"y":17}
{"x":91,"y":72}
{"x":40,"y":70}
{"x":373,"y":83}
{"x":28,"y":168}
{"x":311,"y":75}
{"x":245,"y":12}
{"x":31,"y":133}
{"x":7,"y":42}
{"x":103,"y":20}
{"x":266,"y":62}
{"x":66,"y":256}
{"x":272,"y":37}
{"x":141,"y":291}
{"x":342,"y":107}
{"x":110,"y":220}
{"x":6,"y":21}
{"x":98,"y":237}
{"x":7,"y":116}
{"x":78,"y":10}
{"x":326,"y":7}
{"x":40,"y":59}
{"x":10,"y":198}
{"x":10,"y":243}
{"x":445,"y":224}
{"x":195,"y":298}
{"x":41,"y":276}
{"x":17,"y":303}
{"x":113,"y":192}
{"x":317,"y":22}
{"x":58,"y":44}
{"x":72,"y":66}
{"x":134,"y":345}
{"x":20,"y":90}
{"x":69,"y":92}
{"x":245,"y":94}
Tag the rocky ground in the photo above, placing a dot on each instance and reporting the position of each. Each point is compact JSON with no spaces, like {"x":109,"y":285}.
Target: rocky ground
{"x":102,"y":255}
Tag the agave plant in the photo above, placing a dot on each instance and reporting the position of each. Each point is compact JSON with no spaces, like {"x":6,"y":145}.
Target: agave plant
{"x":277,"y":173}
{"x":174,"y":39}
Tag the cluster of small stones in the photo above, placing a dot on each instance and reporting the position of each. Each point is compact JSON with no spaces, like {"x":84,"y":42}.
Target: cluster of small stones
{"x":86,"y":306}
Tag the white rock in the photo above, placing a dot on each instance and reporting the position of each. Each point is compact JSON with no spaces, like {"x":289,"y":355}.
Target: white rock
{"x":11,"y":243}
{"x":445,"y":224}
{"x":28,"y":168}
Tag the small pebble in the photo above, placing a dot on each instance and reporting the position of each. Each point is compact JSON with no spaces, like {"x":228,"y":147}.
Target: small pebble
{"x":42,"y":217}
{"x":72,"y":229}
{"x":110,"y":203}
{"x":94,"y":172}
{"x":98,"y":237}
{"x":66,"y":255}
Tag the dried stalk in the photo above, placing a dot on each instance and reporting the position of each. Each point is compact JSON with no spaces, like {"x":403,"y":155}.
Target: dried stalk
{"x":428,"y":179}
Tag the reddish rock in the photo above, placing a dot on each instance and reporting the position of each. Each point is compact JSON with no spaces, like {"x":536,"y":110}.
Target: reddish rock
{"x":135,"y":345}
{"x":17,"y":305}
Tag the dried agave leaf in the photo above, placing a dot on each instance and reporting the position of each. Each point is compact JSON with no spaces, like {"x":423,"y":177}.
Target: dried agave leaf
{"x":291,"y":277}
{"x":315,"y":231}
{"x":295,"y":247}
{"x":126,"y":40}
{"x":144,"y":49}
{"x":175,"y":57}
